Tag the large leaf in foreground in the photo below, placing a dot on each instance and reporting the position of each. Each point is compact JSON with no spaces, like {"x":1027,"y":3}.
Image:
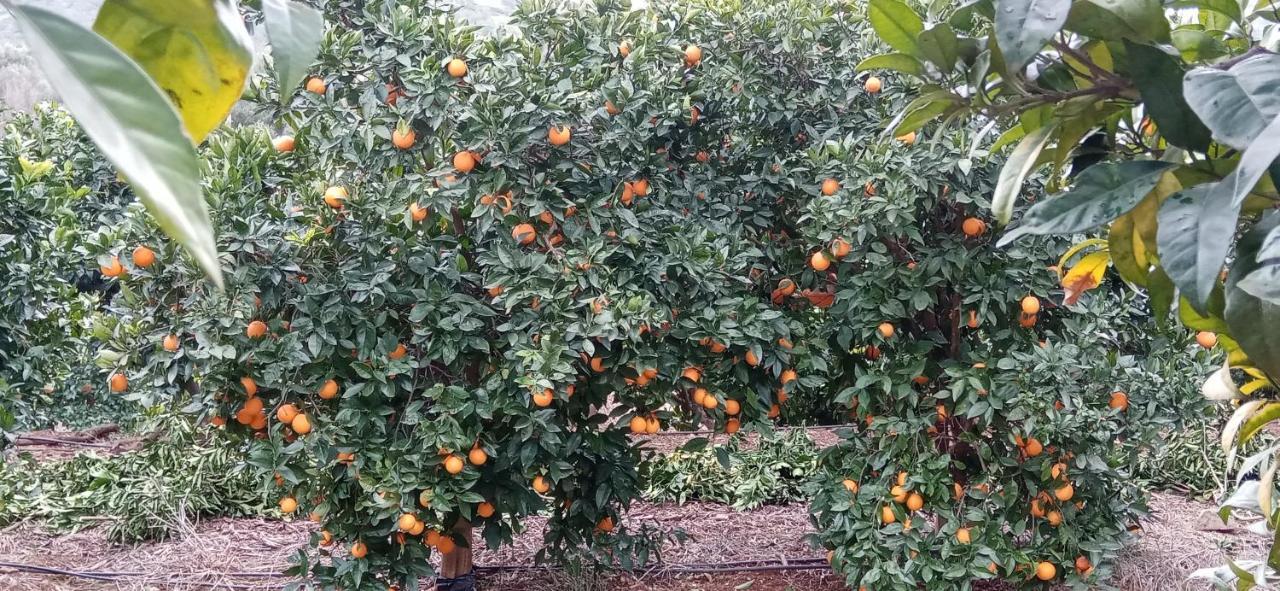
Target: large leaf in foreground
{"x":1237,"y":103}
{"x":130,"y":120}
{"x":1102,"y":193}
{"x":197,"y":51}
{"x":1254,"y":322}
{"x":1023,"y":27}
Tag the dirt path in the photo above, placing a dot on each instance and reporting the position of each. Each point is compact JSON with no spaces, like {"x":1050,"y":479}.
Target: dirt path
{"x":1176,"y":541}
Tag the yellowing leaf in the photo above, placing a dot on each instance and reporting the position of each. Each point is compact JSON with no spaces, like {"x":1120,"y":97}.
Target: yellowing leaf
{"x":1085,"y":275}
{"x":197,"y":51}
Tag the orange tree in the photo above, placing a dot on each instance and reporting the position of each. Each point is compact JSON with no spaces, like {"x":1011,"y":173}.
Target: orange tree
{"x":467,"y":266}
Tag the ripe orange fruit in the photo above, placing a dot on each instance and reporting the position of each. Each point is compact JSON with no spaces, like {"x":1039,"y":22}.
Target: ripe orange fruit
{"x":732,"y":425}
{"x":446,"y":545}
{"x":118,"y":382}
{"x":143,"y":257}
{"x":559,"y":135}
{"x":830,"y":186}
{"x":1055,"y":518}
{"x":329,"y":390}
{"x":316,"y":85}
{"x":256,"y":329}
{"x":359,"y":550}
{"x":403,"y":139}
{"x":464,"y":161}
{"x":840,"y":248}
{"x":640,"y":187}
{"x":1046,"y":571}
{"x":973,"y":227}
{"x":301,"y":424}
{"x":1030,"y":305}
{"x":1064,"y":493}
{"x":284,"y":143}
{"x":1037,"y":508}
{"x":326,"y":538}
{"x":963,"y":536}
{"x":650,"y":372}
{"x":611,"y":108}
{"x":417,"y":212}
{"x":710,"y":401}
{"x":171,"y":343}
{"x":785,"y":343}
{"x":1033,"y":447}
{"x":624,"y":48}
{"x":887,"y":515}
{"x":788,"y":375}
{"x":1119,"y":401}
{"x":288,"y":505}
{"x":541,"y":485}
{"x":692,"y":55}
{"x":915,"y":502}
{"x":457,"y":68}
{"x":250,"y":386}
{"x":399,"y":352}
{"x":605,"y":525}
{"x":886,"y":330}
{"x":453,"y":464}
{"x":819,"y":261}
{"x":1207,"y":339}
{"x":1026,"y":320}
{"x":973,"y":319}
{"x":775,"y":411}
{"x":873,"y":85}
{"x":699,"y":395}
{"x":286,"y":413}
{"x":638,"y":425}
{"x":851,"y":486}
{"x":485,"y":510}
{"x":786,"y":286}
{"x":433,"y":538}
{"x":652,"y":425}
{"x":1083,"y":564}
{"x":335,"y":196}
{"x":908,"y":139}
{"x":477,"y":456}
{"x":544,"y":398}
{"x":407,"y":521}
{"x":524,"y":234}
{"x":597,"y":364}
{"x":732,"y":407}
{"x":692,"y":374}
{"x":113,"y":268}
{"x":751,"y":358}
{"x":899,"y":494}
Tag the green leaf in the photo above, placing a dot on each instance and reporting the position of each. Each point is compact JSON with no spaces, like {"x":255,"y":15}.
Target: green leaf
{"x":1023,"y":27}
{"x":1237,"y":103}
{"x":1254,"y":322}
{"x":1196,"y":45}
{"x":197,"y":51}
{"x":123,"y":111}
{"x":1015,"y":171}
{"x":1162,"y":291}
{"x":1268,"y":412}
{"x":939,"y":45}
{"x":1229,"y":8}
{"x":896,"y":24}
{"x":1264,"y":282}
{"x":1196,"y":224}
{"x":897,"y":62}
{"x":925,"y":109}
{"x":1115,"y":20}
{"x":1158,"y":77}
{"x":295,"y":31}
{"x":1101,"y":193}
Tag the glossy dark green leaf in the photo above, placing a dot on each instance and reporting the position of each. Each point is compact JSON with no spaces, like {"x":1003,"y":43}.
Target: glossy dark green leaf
{"x":1101,"y":193}
{"x":1158,"y":77}
{"x":294,"y":31}
{"x":1228,"y":8}
{"x":1264,"y":282}
{"x":896,"y":24}
{"x":1015,"y":170}
{"x":131,"y":120}
{"x":1115,"y":20}
{"x":1197,"y":45}
{"x":1023,"y":27}
{"x":1238,"y":103}
{"x":898,"y":62}
{"x":925,"y":109}
{"x":1162,"y":291}
{"x":939,"y":45}
{"x":1254,"y":322}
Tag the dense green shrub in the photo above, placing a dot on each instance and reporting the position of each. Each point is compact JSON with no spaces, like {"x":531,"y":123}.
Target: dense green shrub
{"x":774,"y":469}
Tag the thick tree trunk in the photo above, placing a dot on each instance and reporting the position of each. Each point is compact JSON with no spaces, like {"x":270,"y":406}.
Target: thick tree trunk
{"x":456,"y":567}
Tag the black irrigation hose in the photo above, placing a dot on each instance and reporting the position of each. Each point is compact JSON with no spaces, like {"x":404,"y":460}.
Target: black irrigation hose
{"x":785,"y":564}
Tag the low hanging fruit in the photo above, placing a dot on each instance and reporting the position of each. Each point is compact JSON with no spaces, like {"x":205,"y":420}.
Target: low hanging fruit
{"x":316,"y":85}
{"x":873,"y":85}
{"x":830,"y":187}
{"x":1030,"y":305}
{"x":692,"y":55}
{"x":541,"y":485}
{"x":118,"y":382}
{"x":454,"y":464}
{"x":250,"y":386}
{"x":840,"y":248}
{"x":456,"y":68}
{"x":284,"y":143}
{"x":464,"y":161}
{"x":544,"y":398}
{"x":143,"y":257}
{"x":113,"y":268}
{"x":1207,"y":339}
{"x":477,"y":456}
{"x":256,"y":329}
{"x":624,"y":48}
{"x":819,"y":261}
{"x":417,"y":212}
{"x":286,"y":413}
{"x":886,"y":330}
{"x":288,"y":505}
{"x":171,"y":343}
{"x":524,"y":234}
{"x":1046,"y":571}
{"x":559,"y":135}
{"x":485,"y":510}
{"x":1119,"y":401}
{"x":300,"y":424}
{"x":403,"y":138}
{"x":329,"y":390}
{"x":335,"y":196}
{"x":399,"y":352}
{"x":359,"y":550}
{"x":973,"y":227}
{"x":908,"y":138}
